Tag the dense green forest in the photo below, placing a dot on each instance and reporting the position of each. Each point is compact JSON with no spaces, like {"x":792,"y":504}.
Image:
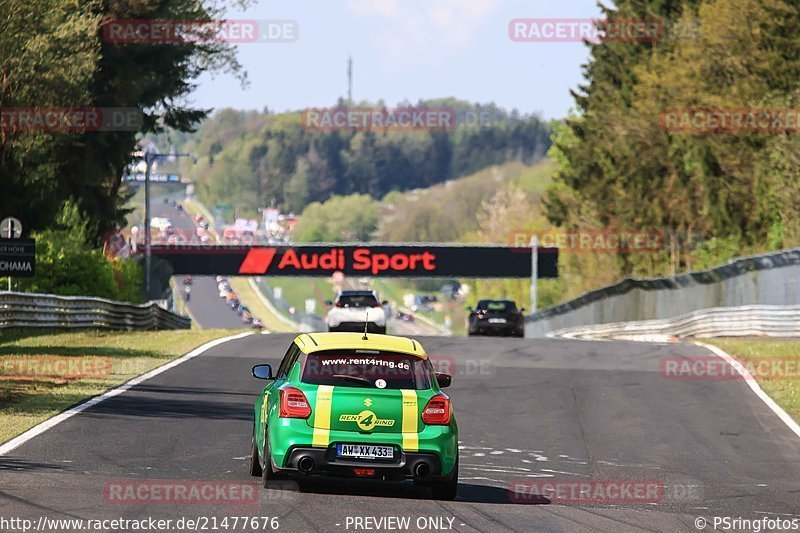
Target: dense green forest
{"x":53,"y":56}
{"x":733,"y":192}
{"x":253,"y":159}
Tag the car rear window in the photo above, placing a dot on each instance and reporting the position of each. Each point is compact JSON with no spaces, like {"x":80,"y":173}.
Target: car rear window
{"x":357,"y":300}
{"x":497,"y":306}
{"x":368,"y":369}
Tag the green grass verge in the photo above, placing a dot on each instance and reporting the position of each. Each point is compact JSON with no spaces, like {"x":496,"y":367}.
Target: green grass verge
{"x":98,"y":361}
{"x":785,"y":390}
{"x":297,"y":290}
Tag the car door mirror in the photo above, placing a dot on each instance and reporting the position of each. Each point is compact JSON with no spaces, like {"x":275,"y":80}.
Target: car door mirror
{"x":385,"y":302}
{"x":328,"y":303}
{"x":262,"y":372}
{"x":522,"y":310}
{"x":444,"y":380}
{"x":469,"y":308}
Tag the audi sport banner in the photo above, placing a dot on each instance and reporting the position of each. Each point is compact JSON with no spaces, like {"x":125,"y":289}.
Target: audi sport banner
{"x":403,"y":260}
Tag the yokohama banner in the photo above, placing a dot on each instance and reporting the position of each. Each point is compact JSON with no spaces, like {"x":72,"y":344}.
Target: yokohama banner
{"x":400,"y":260}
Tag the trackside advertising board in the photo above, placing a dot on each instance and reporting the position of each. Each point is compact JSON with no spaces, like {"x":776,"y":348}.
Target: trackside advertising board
{"x":402,"y":260}
{"x":18,"y":258}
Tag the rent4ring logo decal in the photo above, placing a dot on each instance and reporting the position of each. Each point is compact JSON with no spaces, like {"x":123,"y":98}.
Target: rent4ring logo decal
{"x":367,"y":420}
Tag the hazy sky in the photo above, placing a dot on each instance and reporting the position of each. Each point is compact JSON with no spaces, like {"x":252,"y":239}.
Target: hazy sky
{"x":405,"y":49}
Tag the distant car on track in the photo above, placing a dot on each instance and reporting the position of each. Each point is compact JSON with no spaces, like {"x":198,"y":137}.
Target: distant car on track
{"x":405,"y":317}
{"x":499,"y":317}
{"x":344,"y":405}
{"x":352,"y":309}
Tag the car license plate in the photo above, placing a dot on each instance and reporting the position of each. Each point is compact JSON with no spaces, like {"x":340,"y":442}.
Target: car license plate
{"x":497,"y":321}
{"x":364,"y":451}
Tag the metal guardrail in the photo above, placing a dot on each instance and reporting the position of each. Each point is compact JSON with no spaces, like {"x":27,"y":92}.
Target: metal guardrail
{"x":746,"y":320}
{"x":766,"y":279}
{"x":30,"y":310}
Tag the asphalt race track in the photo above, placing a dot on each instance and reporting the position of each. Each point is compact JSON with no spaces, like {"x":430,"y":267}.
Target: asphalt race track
{"x":205,"y":305}
{"x":527,"y":409}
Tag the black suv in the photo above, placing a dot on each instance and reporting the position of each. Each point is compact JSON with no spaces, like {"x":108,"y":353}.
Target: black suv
{"x":496,"y":317}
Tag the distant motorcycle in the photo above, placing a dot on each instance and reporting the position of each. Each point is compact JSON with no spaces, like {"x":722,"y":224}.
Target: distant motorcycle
{"x":188,"y":292}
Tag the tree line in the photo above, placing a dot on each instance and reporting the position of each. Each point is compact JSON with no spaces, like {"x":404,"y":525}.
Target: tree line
{"x":54,"y":56}
{"x":718,"y":190}
{"x":252,"y":159}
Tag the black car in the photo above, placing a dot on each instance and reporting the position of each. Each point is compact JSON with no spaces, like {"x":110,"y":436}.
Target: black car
{"x":496,"y":317}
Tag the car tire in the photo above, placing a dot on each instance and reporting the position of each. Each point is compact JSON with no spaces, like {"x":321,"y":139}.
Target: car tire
{"x":447,"y":488}
{"x":268,"y":475}
{"x":255,"y":460}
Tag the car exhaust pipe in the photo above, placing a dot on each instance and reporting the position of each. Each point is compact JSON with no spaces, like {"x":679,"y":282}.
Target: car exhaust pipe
{"x":422,"y":470}
{"x":305,"y":464}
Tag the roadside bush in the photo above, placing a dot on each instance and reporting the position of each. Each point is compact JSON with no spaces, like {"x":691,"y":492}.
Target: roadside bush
{"x":67,"y":265}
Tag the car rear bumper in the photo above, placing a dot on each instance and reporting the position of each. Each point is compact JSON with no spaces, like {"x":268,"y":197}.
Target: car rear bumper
{"x":421,"y":466}
{"x":358,"y":327}
{"x":484,"y":327}
{"x":288,"y":434}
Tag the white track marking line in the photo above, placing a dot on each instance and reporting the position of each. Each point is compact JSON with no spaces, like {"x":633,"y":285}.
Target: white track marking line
{"x":754,"y":386}
{"x":50,"y":422}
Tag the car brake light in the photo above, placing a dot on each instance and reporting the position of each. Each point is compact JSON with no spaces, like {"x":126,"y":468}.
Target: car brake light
{"x":437,"y":411}
{"x":339,"y":304}
{"x":377,"y":305}
{"x":293,"y":404}
{"x":364,"y":472}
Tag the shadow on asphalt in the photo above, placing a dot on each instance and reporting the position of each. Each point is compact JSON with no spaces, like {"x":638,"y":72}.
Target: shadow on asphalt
{"x":136,"y":405}
{"x":467,"y":492}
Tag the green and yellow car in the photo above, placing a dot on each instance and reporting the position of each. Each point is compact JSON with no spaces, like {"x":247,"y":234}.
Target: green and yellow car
{"x":356,"y":405}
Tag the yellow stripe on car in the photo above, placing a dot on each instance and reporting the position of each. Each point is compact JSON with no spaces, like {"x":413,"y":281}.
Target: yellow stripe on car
{"x":410,"y":421}
{"x":322,"y":416}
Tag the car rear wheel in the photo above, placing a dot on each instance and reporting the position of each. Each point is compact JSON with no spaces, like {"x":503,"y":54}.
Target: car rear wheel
{"x":268,"y":474}
{"x":255,"y":460}
{"x":447,"y":488}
